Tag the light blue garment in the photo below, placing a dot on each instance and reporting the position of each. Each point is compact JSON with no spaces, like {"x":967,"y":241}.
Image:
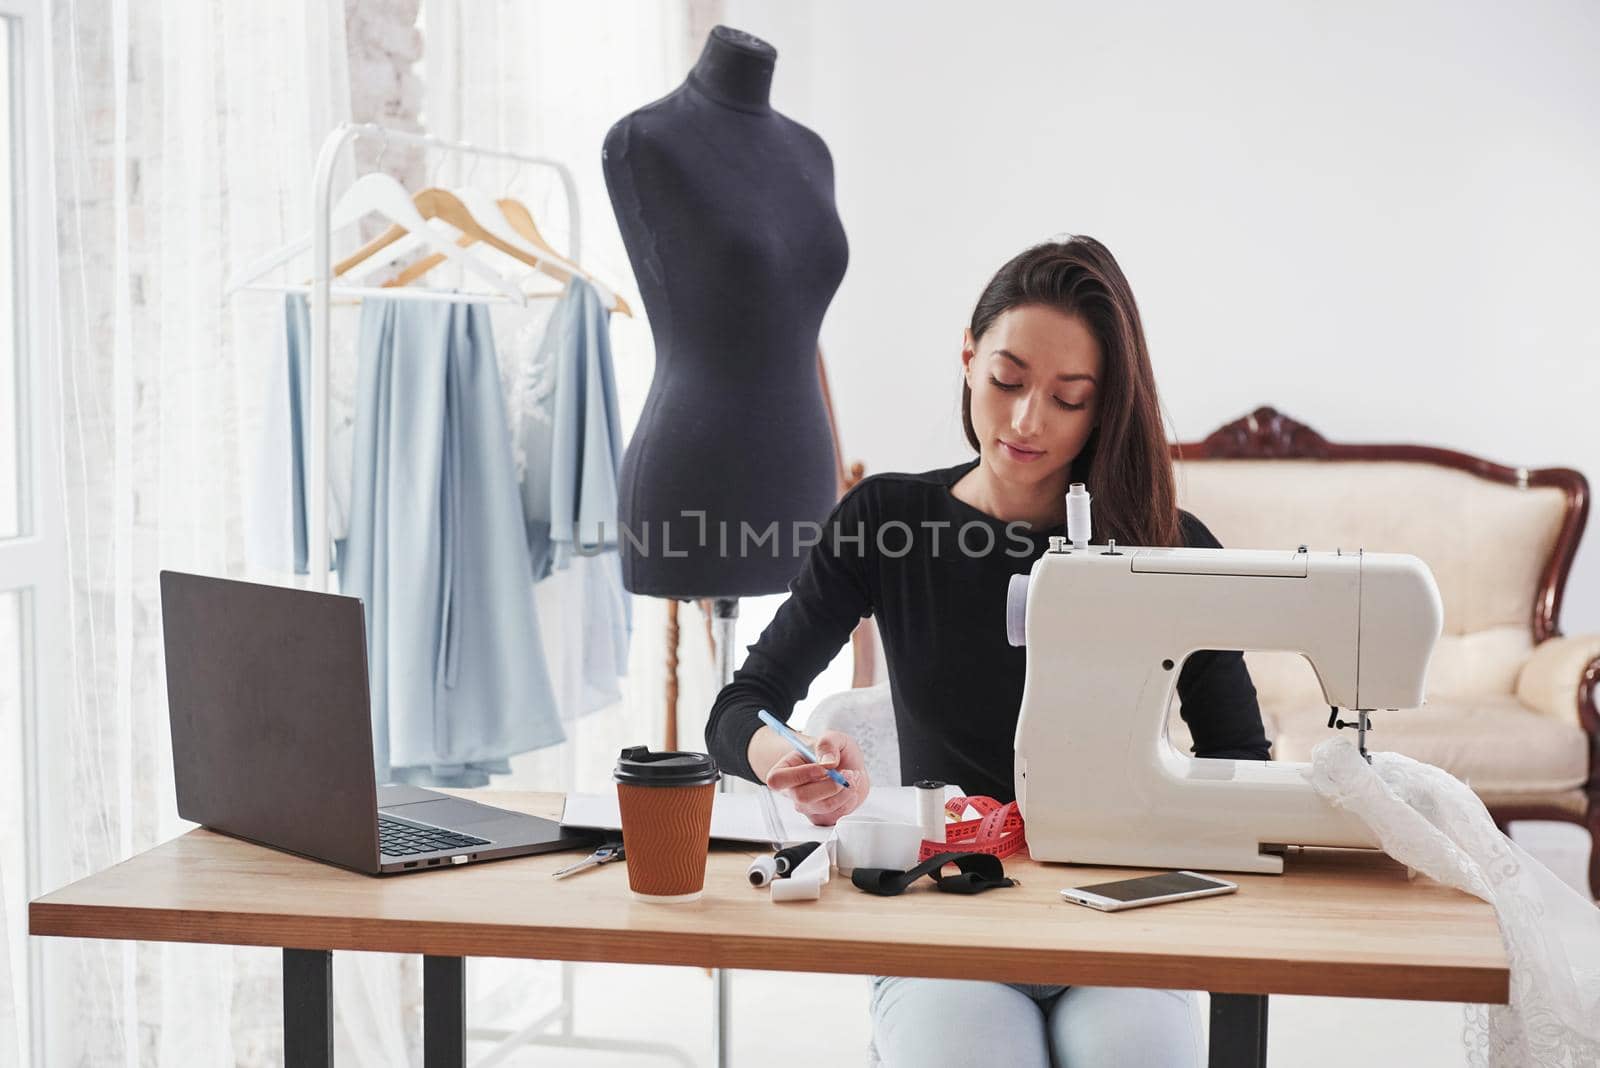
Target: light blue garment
{"x":572,"y":443}
{"x":297,"y":347}
{"x":276,"y":509}
{"x":959,"y":1021}
{"x":570,"y":502}
{"x":438,"y":552}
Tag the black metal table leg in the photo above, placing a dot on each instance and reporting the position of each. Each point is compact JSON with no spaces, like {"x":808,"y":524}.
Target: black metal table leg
{"x":444,"y":1012}
{"x":307,"y":1008}
{"x":1238,"y":1030}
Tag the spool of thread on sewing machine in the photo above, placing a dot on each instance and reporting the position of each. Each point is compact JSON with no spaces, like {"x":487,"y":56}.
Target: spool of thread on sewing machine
{"x":1078,"y":531}
{"x":930,"y":809}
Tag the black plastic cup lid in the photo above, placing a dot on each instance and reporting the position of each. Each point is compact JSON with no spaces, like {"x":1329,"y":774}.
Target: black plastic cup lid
{"x":640,"y":767}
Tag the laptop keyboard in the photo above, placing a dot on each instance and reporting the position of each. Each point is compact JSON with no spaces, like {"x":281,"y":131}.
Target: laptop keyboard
{"x":397,"y":839}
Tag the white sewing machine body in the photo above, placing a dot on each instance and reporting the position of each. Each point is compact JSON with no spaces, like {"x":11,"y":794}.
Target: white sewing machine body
{"x":1107,"y":633}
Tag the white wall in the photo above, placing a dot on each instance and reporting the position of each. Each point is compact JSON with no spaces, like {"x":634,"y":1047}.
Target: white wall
{"x":1382,"y":219}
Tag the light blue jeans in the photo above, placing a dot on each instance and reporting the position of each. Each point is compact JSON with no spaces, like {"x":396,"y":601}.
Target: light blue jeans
{"x":927,"y":1023}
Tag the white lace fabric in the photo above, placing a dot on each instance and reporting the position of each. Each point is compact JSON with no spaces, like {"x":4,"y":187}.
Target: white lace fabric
{"x":1434,"y":824}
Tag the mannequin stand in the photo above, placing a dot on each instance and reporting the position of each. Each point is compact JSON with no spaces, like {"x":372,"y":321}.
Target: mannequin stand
{"x":724,"y":622}
{"x":721,"y":618}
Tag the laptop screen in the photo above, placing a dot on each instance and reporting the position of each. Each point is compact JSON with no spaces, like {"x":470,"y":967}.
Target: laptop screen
{"x":271,"y":729}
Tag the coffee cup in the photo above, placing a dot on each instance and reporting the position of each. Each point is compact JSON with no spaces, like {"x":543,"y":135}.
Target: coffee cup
{"x":665,"y":800}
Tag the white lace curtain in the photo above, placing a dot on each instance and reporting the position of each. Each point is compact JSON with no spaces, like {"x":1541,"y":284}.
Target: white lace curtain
{"x":184,"y":141}
{"x":185,"y":136}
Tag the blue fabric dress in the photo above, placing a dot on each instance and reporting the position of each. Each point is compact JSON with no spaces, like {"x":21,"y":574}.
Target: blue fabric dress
{"x":276,"y":510}
{"x":438,"y":552}
{"x":574,"y":445}
{"x":572,"y":441}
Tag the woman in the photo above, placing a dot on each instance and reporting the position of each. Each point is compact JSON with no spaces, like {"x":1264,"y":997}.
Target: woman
{"x":1058,"y":389}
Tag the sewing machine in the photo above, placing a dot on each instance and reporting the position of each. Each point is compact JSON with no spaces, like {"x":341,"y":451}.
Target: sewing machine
{"x":1107,"y":630}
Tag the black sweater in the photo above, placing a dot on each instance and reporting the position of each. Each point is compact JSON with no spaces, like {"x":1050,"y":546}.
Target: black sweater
{"x":920,"y":567}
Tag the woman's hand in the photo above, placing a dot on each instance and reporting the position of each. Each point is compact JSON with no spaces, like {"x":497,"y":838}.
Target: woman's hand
{"x":815,"y":795}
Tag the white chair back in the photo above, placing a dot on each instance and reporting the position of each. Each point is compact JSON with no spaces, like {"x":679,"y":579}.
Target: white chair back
{"x":867,"y":715}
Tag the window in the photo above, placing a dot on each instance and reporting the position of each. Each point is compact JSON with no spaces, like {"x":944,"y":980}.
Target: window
{"x":33,"y":579}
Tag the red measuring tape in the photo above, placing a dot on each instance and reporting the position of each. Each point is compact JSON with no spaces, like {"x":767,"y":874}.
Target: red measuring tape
{"x":997,"y":830}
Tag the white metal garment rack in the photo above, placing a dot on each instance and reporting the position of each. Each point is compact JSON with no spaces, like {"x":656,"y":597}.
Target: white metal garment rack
{"x":321,"y":289}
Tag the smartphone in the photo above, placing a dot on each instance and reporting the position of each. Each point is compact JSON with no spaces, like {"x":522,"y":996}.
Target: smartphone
{"x":1148,"y":890}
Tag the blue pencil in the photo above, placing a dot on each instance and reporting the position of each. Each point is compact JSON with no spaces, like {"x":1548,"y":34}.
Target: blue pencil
{"x":799,"y":747}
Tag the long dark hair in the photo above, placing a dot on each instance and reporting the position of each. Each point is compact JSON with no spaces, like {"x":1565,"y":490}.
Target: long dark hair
{"x":1124,"y":463}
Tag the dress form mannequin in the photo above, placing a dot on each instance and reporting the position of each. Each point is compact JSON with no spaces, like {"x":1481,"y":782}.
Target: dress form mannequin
{"x":726,"y":208}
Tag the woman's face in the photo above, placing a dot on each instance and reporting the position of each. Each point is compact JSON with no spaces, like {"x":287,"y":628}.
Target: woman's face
{"x":1035,"y":378}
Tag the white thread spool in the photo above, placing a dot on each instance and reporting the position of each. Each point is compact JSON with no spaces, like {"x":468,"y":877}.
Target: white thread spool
{"x":763,"y":870}
{"x":930,"y":810}
{"x":1078,"y":515}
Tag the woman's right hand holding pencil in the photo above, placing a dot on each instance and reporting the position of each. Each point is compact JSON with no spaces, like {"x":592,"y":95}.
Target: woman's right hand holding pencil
{"x":813,"y":792}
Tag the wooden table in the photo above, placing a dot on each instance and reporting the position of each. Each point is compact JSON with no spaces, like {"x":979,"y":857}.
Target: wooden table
{"x":1336,"y":923}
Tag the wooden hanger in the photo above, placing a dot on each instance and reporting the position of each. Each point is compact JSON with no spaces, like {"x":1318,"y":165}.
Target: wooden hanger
{"x":520,"y":227}
{"x":521,"y":219}
{"x":436,"y":203}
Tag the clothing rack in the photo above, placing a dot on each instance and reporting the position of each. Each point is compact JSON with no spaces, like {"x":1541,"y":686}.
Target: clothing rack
{"x":320,"y":290}
{"x":321,"y":297}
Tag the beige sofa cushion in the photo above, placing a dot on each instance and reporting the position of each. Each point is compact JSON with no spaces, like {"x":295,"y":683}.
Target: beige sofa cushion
{"x":1495,"y":744}
{"x":1463,"y":665}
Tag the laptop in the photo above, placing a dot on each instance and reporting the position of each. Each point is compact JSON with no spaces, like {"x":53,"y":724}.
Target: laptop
{"x":272,"y":737}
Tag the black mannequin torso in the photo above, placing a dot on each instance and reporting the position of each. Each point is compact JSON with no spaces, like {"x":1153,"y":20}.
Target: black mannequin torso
{"x":726,"y":208}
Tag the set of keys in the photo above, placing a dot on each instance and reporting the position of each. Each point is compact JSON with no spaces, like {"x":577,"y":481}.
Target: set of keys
{"x":604,"y":855}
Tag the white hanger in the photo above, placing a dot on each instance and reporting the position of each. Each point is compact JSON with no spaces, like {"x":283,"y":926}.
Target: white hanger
{"x":377,"y":192}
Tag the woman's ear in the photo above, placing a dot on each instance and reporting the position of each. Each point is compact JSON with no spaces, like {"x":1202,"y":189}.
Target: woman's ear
{"x":969,"y":349}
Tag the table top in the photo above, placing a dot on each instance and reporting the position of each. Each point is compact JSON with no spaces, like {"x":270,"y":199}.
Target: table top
{"x":1337,"y":922}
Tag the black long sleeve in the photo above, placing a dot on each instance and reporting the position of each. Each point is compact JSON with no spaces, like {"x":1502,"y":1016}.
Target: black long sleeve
{"x":903,"y":548}
{"x":827,"y":600}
